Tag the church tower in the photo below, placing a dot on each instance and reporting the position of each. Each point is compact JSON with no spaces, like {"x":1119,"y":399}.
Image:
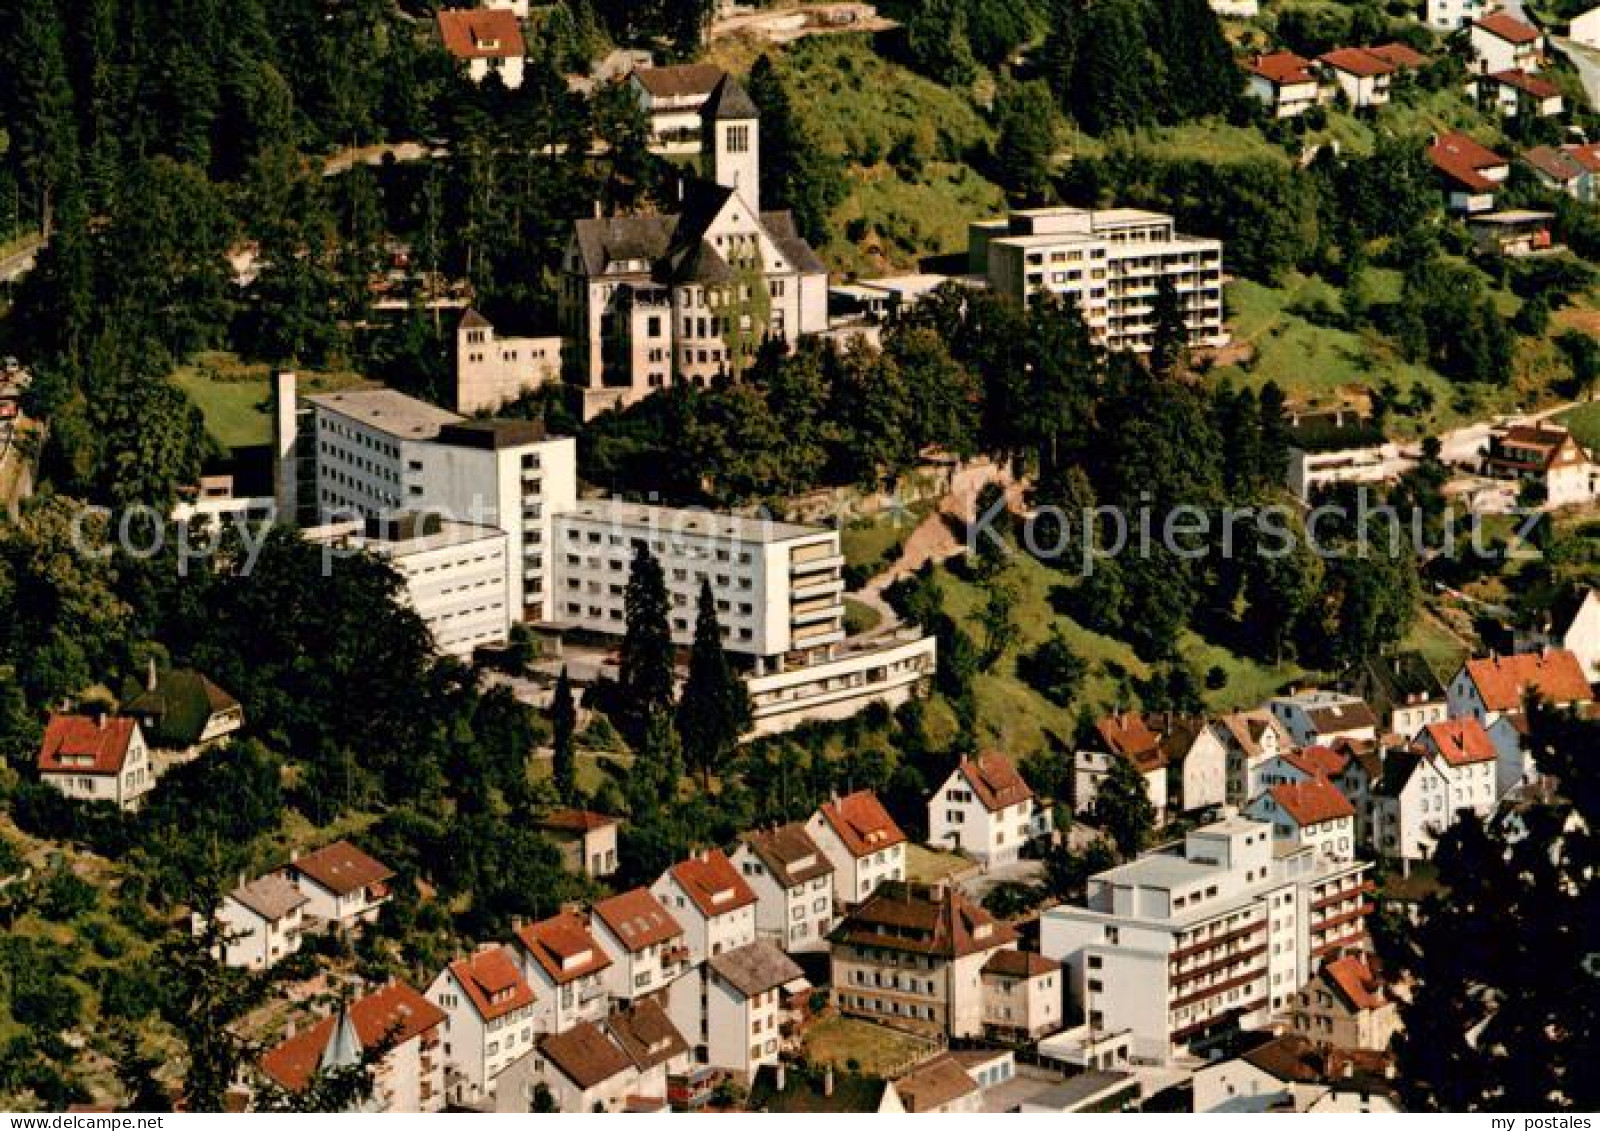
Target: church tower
{"x":731,"y":141}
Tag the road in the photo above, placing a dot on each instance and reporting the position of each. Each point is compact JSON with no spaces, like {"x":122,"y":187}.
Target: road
{"x":18,"y":263}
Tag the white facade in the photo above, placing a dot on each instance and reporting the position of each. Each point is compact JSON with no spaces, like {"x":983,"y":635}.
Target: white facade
{"x":1185,"y":943}
{"x":716,"y":908}
{"x":794,"y":890}
{"x":1585,"y":28}
{"x":646,"y":944}
{"x":985,"y":810}
{"x":488,"y":1009}
{"x":261,"y":922}
{"x":1453,"y":15}
{"x":80,"y":773}
{"x":1331,"y":836}
{"x":1575,"y":628}
{"x":888,"y":669}
{"x":492,"y":370}
{"x":864,"y":850}
{"x":1319,"y":717}
{"x":1505,"y":45}
{"x":1108,"y":263}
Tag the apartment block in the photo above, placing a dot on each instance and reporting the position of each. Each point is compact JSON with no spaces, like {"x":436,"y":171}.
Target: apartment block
{"x":1200,"y":938}
{"x":1109,"y":262}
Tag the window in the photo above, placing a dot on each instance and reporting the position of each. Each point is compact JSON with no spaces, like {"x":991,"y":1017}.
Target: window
{"x":739,"y":139}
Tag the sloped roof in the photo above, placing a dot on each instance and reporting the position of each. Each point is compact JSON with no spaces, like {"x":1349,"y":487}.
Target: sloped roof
{"x":1507,"y":27}
{"x":729,"y":101}
{"x":995,"y":781}
{"x":481,"y":33}
{"x":647,"y":1034}
{"x":1357,"y":61}
{"x":862,"y":823}
{"x":177,"y":709}
{"x":1461,"y":742}
{"x":1312,"y":802}
{"x":271,"y":896}
{"x":1398,"y":55}
{"x":934,"y":1084}
{"x":637,"y":919}
{"x":755,"y":967}
{"x":1247,"y":728}
{"x":79,"y":744}
{"x":394,"y":1014}
{"x":1353,"y":978}
{"x":341,"y":867}
{"x":612,"y":239}
{"x":712,"y":883}
{"x":790,"y":854}
{"x":680,"y":80}
{"x":1332,"y":718}
{"x":1586,"y":155}
{"x":563,"y":947}
{"x":1462,"y":159}
{"x":1282,"y":68}
{"x":917,"y":919}
{"x":1502,"y":681}
{"x":1295,"y":1059}
{"x":1020,"y":964}
{"x":781,"y":229}
{"x":1531,"y":85}
{"x":1557,"y":164}
{"x":472,"y":320}
{"x":492,"y":982}
{"x":1127,"y":735}
{"x":1393,"y":681}
{"x":576,"y":820}
{"x":1317,"y":761}
{"x":585,"y":1055}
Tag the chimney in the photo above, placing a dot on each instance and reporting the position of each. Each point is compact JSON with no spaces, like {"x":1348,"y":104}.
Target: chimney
{"x":150,"y":676}
{"x":285,"y":446}
{"x":827,"y":1081}
{"x":782,"y":1076}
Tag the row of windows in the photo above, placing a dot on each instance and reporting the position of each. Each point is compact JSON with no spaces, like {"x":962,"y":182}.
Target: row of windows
{"x":359,"y":437}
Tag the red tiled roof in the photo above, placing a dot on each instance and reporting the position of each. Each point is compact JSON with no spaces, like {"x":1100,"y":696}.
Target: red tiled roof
{"x":1508,"y":28}
{"x":492,"y":981}
{"x":1531,"y":85}
{"x":713,"y":883}
{"x":481,"y":33}
{"x":1282,"y":68}
{"x":1357,"y":61}
{"x":1461,"y":742}
{"x":1355,"y":981}
{"x":637,"y":919}
{"x":78,"y":744}
{"x":1502,"y":681}
{"x":1459,"y":157}
{"x":394,"y":1014}
{"x":1312,"y":802}
{"x":995,"y":781}
{"x":862,"y":823}
{"x":558,"y":944}
{"x":1586,"y":155}
{"x":1130,"y":737}
{"x":341,"y":867}
{"x":1317,"y":761}
{"x":576,"y":820}
{"x":1020,"y":964}
{"x":1398,"y":55}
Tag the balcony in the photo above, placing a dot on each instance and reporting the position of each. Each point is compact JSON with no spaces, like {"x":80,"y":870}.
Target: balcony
{"x":819,"y":587}
{"x":818,"y":615}
{"x":799,"y":567}
{"x":1196,"y":996}
{"x":1179,"y":977}
{"x":1200,"y":946}
{"x":1363,"y":888}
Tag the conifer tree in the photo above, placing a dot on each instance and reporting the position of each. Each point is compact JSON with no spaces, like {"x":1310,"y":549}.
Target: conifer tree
{"x":563,"y":723}
{"x":646,"y":667}
{"x":715,"y":709}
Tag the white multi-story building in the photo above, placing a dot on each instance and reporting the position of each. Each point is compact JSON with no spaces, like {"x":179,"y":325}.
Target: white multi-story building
{"x":1192,"y":940}
{"x":97,"y":758}
{"x":793,"y":882}
{"x":646,"y":944}
{"x":985,"y":809}
{"x":1310,"y":814}
{"x":1249,"y":739}
{"x":488,"y":1007}
{"x":1501,"y":42}
{"x":378,"y":452}
{"x":261,"y":922}
{"x":1318,"y":717}
{"x":745,"y":992}
{"x":343,"y":886}
{"x":565,"y":966}
{"x":492,"y":370}
{"x":673,"y":98}
{"x":456,"y":574}
{"x":1108,"y":262}
{"x":1485,"y":689}
{"x":1451,"y":768}
{"x":1453,"y":15}
{"x":1022,"y":995}
{"x":862,"y":842}
{"x":708,"y":897}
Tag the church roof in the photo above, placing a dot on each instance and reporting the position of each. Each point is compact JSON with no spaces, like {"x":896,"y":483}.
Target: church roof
{"x":729,"y":102}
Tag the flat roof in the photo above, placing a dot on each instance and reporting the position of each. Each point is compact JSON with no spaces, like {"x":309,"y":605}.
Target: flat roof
{"x":389,"y":411}
{"x":1080,"y":1089}
{"x":686,"y":521}
{"x":1512,"y":216}
{"x":448,"y":534}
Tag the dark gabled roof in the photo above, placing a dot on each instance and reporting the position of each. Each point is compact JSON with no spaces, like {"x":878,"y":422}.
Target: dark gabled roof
{"x":1020,"y":964}
{"x":934,"y":1084}
{"x":712,"y":883}
{"x":647,"y":1034}
{"x":176,"y":709}
{"x":609,"y":239}
{"x":755,"y":968}
{"x":917,"y":919}
{"x":680,"y":79}
{"x":563,"y":947}
{"x":472,"y":320}
{"x":701,"y":264}
{"x":481,"y":33}
{"x":790,"y":854}
{"x":780,"y":226}
{"x":341,"y":867}
{"x":636,"y":919}
{"x":492,"y":982}
{"x":1387,"y":682}
{"x":585,"y":1055}
{"x":729,"y":102}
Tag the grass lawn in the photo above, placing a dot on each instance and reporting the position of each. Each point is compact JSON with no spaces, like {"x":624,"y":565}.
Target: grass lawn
{"x":235,"y":396}
{"x":874,"y":1049}
{"x":859,"y":617}
{"x":1443,"y":651}
{"x":875,"y":542}
{"x":592,"y":771}
{"x":929,"y":865}
{"x":1585,"y":423}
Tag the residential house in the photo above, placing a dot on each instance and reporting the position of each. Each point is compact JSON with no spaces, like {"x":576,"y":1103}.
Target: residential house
{"x":1249,"y":740}
{"x":1363,"y":77}
{"x":1501,"y":42}
{"x":1547,"y":456}
{"x":181,"y":710}
{"x":1298,"y":766}
{"x":1403,"y":691}
{"x":409,"y":1073}
{"x":746,"y":994}
{"x":1290,"y":1073}
{"x":1286,"y":83}
{"x":1514,"y":94}
{"x":708,"y":897}
{"x":1484,"y":689}
{"x":487,"y":41}
{"x":1569,"y":169}
{"x":1311,"y":814}
{"x":1446,"y":16}
{"x":344,"y":887}
{"x":565,"y":966}
{"x":98,"y":757}
{"x":1452,"y":767}
{"x":1571,"y":623}
{"x":261,"y":922}
{"x":1186,"y":944}
{"x":1514,"y":233}
{"x":620,"y":1064}
{"x":588,"y":841}
{"x":1464,"y":746}
{"x":1584,"y":28}
{"x":1124,"y":735}
{"x":862,"y":841}
{"x":1318,"y":717}
{"x":1023,"y":995}
{"x":940,"y":1086}
{"x":1470,"y":173}
{"x":660,"y":1053}
{"x":1358,"y":780}
{"x":488,"y":1008}
{"x":1347,"y":1005}
{"x":492,"y":369}
{"x":673,"y":98}
{"x":793,"y":881}
{"x":986,"y":810}
{"x":646,"y":944}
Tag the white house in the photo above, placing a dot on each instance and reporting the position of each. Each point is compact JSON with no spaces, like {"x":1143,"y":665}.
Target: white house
{"x":744,"y":992}
{"x":565,"y":966}
{"x":488,"y":1008}
{"x":1501,"y":42}
{"x":863,"y":843}
{"x":793,"y":881}
{"x":344,"y":887}
{"x":1363,"y":78}
{"x":985,"y":809}
{"x":673,"y":98}
{"x":1023,"y":995}
{"x":1284,"y":82}
{"x":940,"y":1086}
{"x":711,"y":901}
{"x":1310,"y":814}
{"x":1403,"y":690}
{"x":646,"y":944}
{"x":1572,"y":623}
{"x":1316,"y":717}
{"x":1452,"y":767}
{"x":409,"y":1076}
{"x":96,"y":758}
{"x":1484,"y":689}
{"x":1249,"y":739}
{"x":182,"y":711}
{"x":1291,"y":1073}
{"x":486,"y":41}
{"x":1546,"y":455}
{"x":1585,"y":28}
{"x":588,"y":840}
{"x":1471,"y":173}
{"x":1514,"y":93}
{"x":262,"y":922}
{"x":1446,"y":16}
